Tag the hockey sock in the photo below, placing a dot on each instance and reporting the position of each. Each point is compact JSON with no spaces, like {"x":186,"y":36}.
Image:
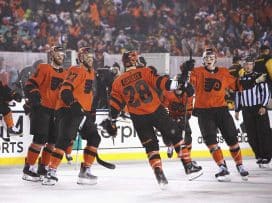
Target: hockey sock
{"x":56,"y":158}
{"x":69,"y":148}
{"x":46,"y":154}
{"x":217,"y":154}
{"x":189,"y":147}
{"x":33,"y":153}
{"x":183,"y":152}
{"x":236,"y":154}
{"x":8,"y":120}
{"x":89,"y":155}
{"x":154,"y":159}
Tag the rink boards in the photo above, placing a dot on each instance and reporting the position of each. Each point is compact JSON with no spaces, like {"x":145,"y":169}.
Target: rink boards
{"x":126,"y":145}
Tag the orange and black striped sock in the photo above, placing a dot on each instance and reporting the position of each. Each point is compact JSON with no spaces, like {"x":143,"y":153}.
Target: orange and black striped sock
{"x":8,"y":120}
{"x":183,"y":152}
{"x":217,"y":154}
{"x":33,"y":153}
{"x":89,"y":155}
{"x":236,"y":154}
{"x":46,"y":154}
{"x":154,"y":159}
{"x":56,"y":158}
{"x":189,"y":147}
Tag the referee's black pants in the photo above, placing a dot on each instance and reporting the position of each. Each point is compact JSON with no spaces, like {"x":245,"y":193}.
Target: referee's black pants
{"x":258,"y":131}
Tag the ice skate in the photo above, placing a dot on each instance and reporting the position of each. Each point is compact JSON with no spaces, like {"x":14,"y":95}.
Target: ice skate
{"x":51,"y":177}
{"x":42,"y":170}
{"x":243,"y":172}
{"x":85,"y":177}
{"x":30,"y":174}
{"x":192,"y":170}
{"x":170,"y":151}
{"x":264,"y":163}
{"x":223,"y":174}
{"x":162,"y":181}
{"x":196,"y":165}
{"x":69,"y":158}
{"x":259,"y":162}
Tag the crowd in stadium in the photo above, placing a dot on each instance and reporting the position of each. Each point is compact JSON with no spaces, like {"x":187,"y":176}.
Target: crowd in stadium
{"x":232,"y":27}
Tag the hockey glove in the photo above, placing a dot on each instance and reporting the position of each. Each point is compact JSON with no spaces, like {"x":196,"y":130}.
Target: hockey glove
{"x":110,"y":127}
{"x":189,"y":90}
{"x":76,"y":109}
{"x":188,"y":66}
{"x":35,"y":98}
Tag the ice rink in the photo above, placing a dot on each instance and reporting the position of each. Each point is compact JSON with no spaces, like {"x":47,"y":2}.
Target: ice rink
{"x":135,"y":182}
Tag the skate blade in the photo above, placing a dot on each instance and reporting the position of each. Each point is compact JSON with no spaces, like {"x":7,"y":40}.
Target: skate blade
{"x":225,"y":178}
{"x":163,"y":186}
{"x":245,"y":178}
{"x":49,"y":182}
{"x":86,"y":181}
{"x":30,"y":178}
{"x":264,"y":166}
{"x":195,"y":175}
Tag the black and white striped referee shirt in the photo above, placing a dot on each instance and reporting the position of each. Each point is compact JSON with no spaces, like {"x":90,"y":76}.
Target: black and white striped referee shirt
{"x":259,"y":94}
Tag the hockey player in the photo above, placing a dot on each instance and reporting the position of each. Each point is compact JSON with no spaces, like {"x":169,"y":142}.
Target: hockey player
{"x":178,"y":102}
{"x":42,"y":90}
{"x":74,"y":111}
{"x":7,"y":95}
{"x":210,"y":83}
{"x":135,"y":88}
{"x":253,"y":101}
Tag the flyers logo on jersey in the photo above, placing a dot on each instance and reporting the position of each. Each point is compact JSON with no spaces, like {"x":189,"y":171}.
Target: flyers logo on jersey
{"x":88,"y":86}
{"x":212,"y":83}
{"x":56,"y":83}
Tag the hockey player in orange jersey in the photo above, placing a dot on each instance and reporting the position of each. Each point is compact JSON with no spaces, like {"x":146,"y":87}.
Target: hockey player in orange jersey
{"x":74,"y":112}
{"x":42,"y":90}
{"x":136,"y":89}
{"x":179,"y":103}
{"x":210,"y":83}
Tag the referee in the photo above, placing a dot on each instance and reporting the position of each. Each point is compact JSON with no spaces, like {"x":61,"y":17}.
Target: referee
{"x":253,"y":101}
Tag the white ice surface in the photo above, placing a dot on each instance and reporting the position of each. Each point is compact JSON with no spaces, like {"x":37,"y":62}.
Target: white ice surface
{"x":134,"y":182}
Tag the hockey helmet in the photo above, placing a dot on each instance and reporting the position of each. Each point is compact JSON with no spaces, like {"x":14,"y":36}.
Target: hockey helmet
{"x":56,"y":54}
{"x":130,"y":58}
{"x":85,"y":56}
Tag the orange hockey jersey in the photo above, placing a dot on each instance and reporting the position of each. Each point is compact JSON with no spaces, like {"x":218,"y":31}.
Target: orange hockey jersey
{"x":176,"y":104}
{"x":210,"y":87}
{"x":47,"y":80}
{"x":136,"y":89}
{"x":80,"y":81}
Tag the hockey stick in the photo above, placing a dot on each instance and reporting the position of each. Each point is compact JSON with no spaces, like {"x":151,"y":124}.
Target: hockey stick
{"x":108,"y":102}
{"x":186,"y":96}
{"x":104,"y":163}
{"x":82,"y":122}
